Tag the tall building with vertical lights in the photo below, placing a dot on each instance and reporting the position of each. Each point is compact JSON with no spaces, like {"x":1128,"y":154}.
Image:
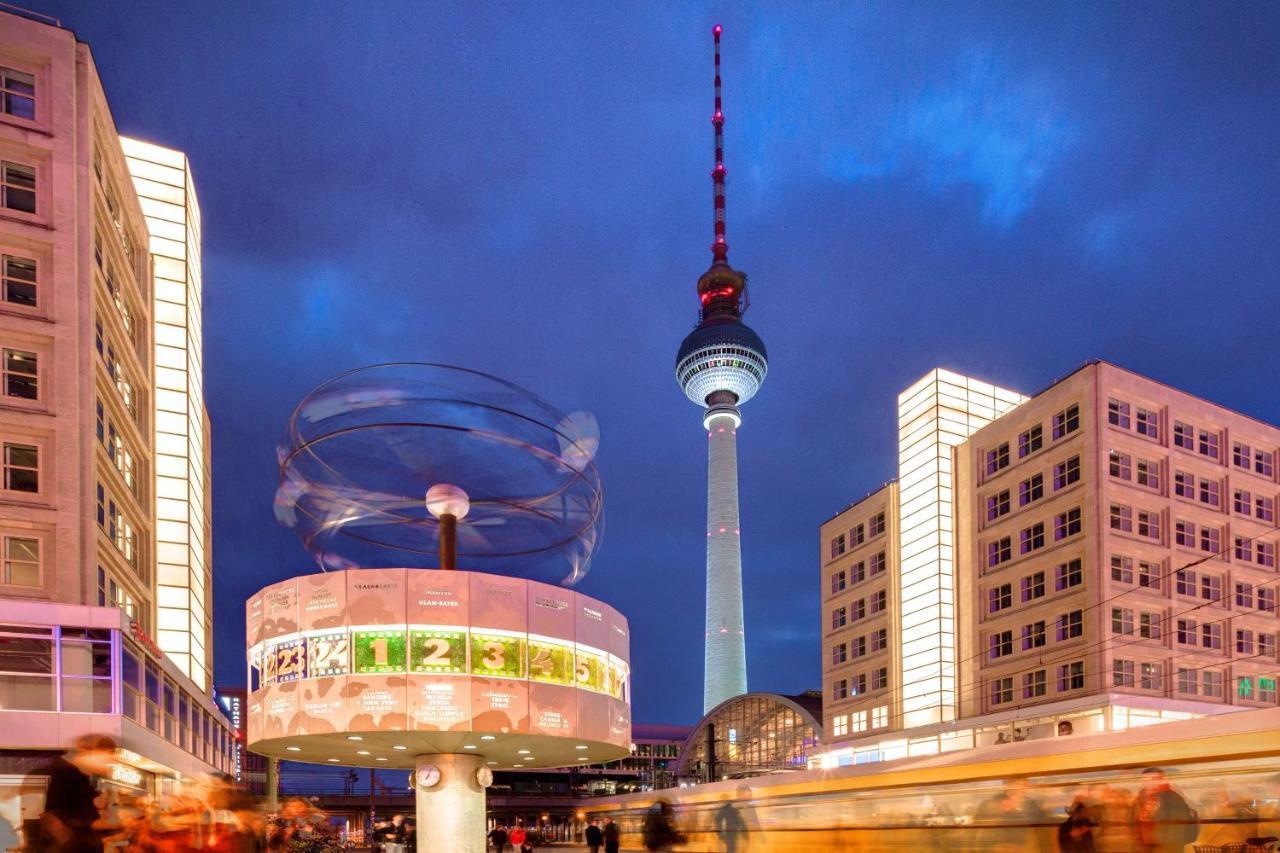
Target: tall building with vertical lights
{"x":721,"y":364}
{"x":184,"y":591}
{"x":83,"y":433}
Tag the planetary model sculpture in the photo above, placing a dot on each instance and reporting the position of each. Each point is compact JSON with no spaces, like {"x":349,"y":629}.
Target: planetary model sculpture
{"x":392,"y":656}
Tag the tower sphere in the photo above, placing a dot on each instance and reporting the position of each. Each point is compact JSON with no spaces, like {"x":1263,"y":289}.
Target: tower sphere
{"x":721,"y":354}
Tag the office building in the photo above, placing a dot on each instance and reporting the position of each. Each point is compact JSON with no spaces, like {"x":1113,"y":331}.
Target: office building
{"x":78,"y":589}
{"x":1098,"y":556}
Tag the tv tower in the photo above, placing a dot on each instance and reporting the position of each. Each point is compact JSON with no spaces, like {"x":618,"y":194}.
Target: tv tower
{"x":721,"y":365}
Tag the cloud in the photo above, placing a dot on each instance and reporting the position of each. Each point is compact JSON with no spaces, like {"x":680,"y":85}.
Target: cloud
{"x":982,"y":129}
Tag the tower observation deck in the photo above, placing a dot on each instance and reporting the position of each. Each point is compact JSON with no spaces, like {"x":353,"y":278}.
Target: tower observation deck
{"x":720,"y":365}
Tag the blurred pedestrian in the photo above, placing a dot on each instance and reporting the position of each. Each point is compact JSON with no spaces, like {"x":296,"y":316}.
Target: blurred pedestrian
{"x":498,"y":838}
{"x":519,"y":839}
{"x":1162,"y":820}
{"x":594,"y":837}
{"x":612,"y":838}
{"x":660,"y":831}
{"x":71,"y":820}
{"x":1075,"y":834}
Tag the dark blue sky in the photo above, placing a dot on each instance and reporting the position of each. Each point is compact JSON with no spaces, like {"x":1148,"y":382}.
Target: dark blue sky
{"x":523,"y":188}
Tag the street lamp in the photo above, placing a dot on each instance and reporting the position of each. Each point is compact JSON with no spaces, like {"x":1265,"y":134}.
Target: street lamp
{"x":448,"y":503}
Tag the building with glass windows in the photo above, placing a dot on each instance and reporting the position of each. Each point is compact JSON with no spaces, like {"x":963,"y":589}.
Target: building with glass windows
{"x":1113,"y":548}
{"x":751,"y":735}
{"x":80,"y":409}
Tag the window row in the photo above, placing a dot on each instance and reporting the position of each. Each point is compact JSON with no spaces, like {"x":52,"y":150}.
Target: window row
{"x":856,"y":722}
{"x":1032,"y":538}
{"x":1065,"y":473}
{"x":1070,"y":676}
{"x":1205,"y":442}
{"x":877,"y":640}
{"x":1032,"y":586}
{"x":117,"y":448}
{"x":116,"y":370}
{"x":111,"y":279}
{"x":1064,"y":422}
{"x":1209,"y":588}
{"x":856,"y":610}
{"x":1034,"y":635}
{"x":858,"y":534}
{"x":1145,"y":422}
{"x":856,"y":685}
{"x":858,"y":572}
{"x":116,"y":524}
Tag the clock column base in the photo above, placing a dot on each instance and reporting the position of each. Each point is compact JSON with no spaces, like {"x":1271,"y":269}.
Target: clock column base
{"x":451,"y":813}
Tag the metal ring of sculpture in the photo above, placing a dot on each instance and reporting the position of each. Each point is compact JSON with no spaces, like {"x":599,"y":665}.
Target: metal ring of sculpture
{"x":361,"y":450}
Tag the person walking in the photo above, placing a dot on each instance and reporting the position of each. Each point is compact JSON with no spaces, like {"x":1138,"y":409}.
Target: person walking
{"x":594,"y":837}
{"x":498,"y":838}
{"x":612,"y":838}
{"x":1075,"y":834}
{"x":660,"y":831}
{"x":1162,"y":820}
{"x":519,"y":839}
{"x":71,"y":821}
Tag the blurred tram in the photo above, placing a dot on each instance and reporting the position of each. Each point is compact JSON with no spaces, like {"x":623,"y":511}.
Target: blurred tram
{"x":1227,"y":767}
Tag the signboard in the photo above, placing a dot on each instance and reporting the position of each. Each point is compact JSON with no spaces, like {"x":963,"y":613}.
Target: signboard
{"x":438,"y":650}
{"x":328,"y":655}
{"x":377,"y":651}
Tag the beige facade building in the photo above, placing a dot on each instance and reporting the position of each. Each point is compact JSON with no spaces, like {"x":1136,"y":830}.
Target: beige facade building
{"x":78,"y":576}
{"x":1114,"y":549}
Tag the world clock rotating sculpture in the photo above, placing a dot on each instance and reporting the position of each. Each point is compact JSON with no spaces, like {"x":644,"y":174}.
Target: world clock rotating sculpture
{"x":449,"y":511}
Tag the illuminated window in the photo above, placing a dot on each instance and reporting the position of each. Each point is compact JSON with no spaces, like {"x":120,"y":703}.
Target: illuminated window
{"x":1244,"y":595}
{"x":1121,"y":569}
{"x":1030,"y":441}
{"x":18,"y":281}
{"x":1122,"y":673}
{"x":1150,"y":676}
{"x":1208,"y":444}
{"x":1033,"y":635}
{"x":840,"y":725}
{"x":997,"y":505}
{"x":858,"y":684}
{"x":1066,"y":524}
{"x":1031,"y":538}
{"x":17,"y":187}
{"x":1149,"y":473}
{"x":21,"y":468}
{"x":876,"y":524}
{"x":1266,"y":689}
{"x":1067,"y":421}
{"x":1244,"y":687}
{"x":1001,"y":691}
{"x":998,"y":458}
{"x":1121,"y":620}
{"x":1032,"y":586}
{"x":1148,"y":423}
{"x":858,"y":721}
{"x":1121,"y":518}
{"x":1031,"y":489}
{"x":880,"y":717}
{"x":1068,"y":574}
{"x":17,"y":94}
{"x":1119,"y":465}
{"x":1001,"y":644}
{"x":1263,"y":462}
{"x":1211,"y":636}
{"x":1241,"y":456}
{"x":21,"y":374}
{"x":1071,"y":676}
{"x":1118,"y":413}
{"x":1184,"y":435}
{"x":1033,"y":684}
{"x":1065,"y":473}
{"x":21,"y":561}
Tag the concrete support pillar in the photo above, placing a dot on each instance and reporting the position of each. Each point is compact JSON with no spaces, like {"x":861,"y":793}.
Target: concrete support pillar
{"x":273,"y":785}
{"x":451,"y":813}
{"x":725,"y":653}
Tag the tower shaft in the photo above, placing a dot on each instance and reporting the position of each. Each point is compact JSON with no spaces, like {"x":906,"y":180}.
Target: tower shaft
{"x":725,"y":653}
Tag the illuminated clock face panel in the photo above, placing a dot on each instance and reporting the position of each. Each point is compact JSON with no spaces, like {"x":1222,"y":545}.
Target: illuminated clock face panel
{"x":434,"y":652}
{"x":484,"y":777}
{"x":427,"y":776}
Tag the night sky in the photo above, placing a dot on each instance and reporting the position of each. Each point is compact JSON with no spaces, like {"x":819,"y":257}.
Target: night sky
{"x":1005,"y":190}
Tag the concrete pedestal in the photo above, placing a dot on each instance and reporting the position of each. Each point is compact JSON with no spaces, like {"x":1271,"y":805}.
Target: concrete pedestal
{"x":451,"y":814}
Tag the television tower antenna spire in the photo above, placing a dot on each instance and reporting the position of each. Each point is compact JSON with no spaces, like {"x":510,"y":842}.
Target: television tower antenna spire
{"x":719,"y":248}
